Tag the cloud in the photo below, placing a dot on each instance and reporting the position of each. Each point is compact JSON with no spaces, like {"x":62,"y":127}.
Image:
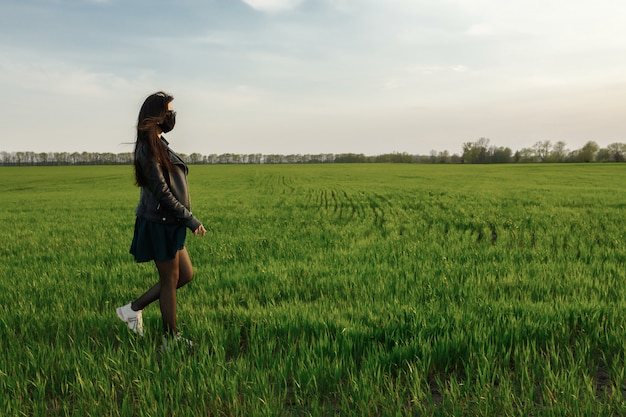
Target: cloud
{"x":273,"y":6}
{"x":418,"y":79}
{"x":58,"y":78}
{"x":481,"y":30}
{"x":434,"y":69}
{"x":391,"y":84}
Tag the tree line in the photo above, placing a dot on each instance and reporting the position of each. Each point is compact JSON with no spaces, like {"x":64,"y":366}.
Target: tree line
{"x":479,"y":152}
{"x":476,"y":152}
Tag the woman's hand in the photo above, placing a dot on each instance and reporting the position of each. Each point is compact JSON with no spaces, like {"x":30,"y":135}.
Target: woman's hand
{"x":200,"y":231}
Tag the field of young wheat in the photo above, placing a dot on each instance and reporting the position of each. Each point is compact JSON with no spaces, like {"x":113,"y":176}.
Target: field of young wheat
{"x":322,"y":290}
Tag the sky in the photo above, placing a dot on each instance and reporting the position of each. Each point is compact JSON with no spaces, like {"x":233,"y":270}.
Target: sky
{"x":313,"y":76}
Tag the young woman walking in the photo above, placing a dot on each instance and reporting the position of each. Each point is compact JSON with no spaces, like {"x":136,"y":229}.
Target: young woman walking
{"x":162,"y":218}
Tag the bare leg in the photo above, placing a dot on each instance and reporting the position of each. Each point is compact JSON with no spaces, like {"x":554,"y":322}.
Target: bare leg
{"x":174,"y":273}
{"x":168,"y":273}
{"x":185,"y":276}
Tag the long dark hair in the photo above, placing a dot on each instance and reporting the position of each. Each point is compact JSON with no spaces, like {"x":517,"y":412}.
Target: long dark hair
{"x":151,"y":114}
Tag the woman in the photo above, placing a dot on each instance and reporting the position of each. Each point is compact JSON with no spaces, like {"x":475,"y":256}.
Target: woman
{"x":163,"y":215}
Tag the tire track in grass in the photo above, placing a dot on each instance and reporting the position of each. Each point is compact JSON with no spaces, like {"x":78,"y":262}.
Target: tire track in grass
{"x":346,"y":205}
{"x":338,"y":204}
{"x":377,"y":205}
{"x":388,"y":213}
{"x":350,"y":206}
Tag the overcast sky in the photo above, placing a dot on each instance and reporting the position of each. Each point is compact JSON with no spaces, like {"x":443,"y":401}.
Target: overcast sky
{"x":313,"y":76}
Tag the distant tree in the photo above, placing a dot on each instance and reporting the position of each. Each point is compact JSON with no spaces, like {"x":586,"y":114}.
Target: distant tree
{"x":355,"y":158}
{"x":256,"y":158}
{"x":467,"y":153}
{"x":5,"y":158}
{"x":603,"y":155}
{"x":108,"y":158}
{"x":588,"y":152}
{"x":558,"y":152}
{"x":125,"y":158}
{"x":401,"y":158}
{"x":542,"y":149}
{"x":443,"y":157}
{"x":476,"y":152}
{"x":384,"y":158}
{"x":195,"y":158}
{"x":273,"y":159}
{"x":525,"y":155}
{"x":500,"y":155}
{"x":617,"y":152}
{"x":30,"y":158}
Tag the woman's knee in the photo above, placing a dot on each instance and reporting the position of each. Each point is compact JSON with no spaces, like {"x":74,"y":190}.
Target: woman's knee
{"x":185,"y":269}
{"x":185,"y":277}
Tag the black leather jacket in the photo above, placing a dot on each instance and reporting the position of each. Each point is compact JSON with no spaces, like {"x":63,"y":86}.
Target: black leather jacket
{"x":165,"y":199}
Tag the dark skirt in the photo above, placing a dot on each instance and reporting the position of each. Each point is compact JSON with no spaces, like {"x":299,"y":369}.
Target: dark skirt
{"x":155,"y":241}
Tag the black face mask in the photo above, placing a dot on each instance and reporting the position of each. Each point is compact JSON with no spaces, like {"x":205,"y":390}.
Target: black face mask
{"x":168,"y":123}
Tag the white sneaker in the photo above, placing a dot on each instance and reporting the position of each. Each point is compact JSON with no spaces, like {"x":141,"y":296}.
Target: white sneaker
{"x":176,"y":341}
{"x":131,"y":317}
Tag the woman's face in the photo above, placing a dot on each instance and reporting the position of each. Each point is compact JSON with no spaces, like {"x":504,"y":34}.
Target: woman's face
{"x":169,"y":121}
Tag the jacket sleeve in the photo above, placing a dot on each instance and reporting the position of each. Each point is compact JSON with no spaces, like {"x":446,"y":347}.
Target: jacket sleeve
{"x":158,"y":186}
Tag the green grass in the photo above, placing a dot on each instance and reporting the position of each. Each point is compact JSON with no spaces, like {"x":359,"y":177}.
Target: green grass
{"x":385,"y":290}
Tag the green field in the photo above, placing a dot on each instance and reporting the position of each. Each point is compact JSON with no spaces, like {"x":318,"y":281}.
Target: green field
{"x":323,"y":290}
